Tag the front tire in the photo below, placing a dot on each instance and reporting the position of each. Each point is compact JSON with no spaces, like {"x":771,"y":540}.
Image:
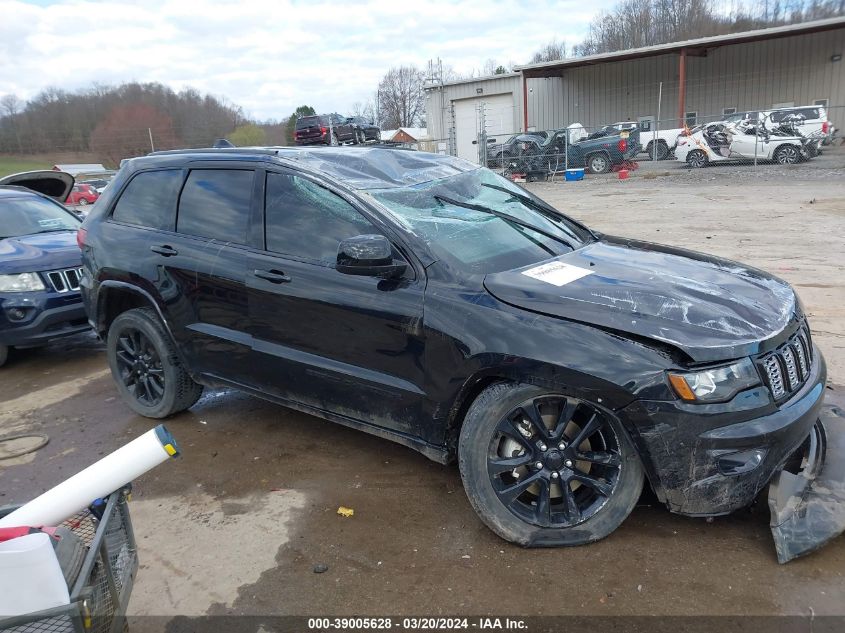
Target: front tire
{"x":545,"y":469}
{"x":145,"y":366}
{"x":697,"y":159}
{"x":598,"y":163}
{"x":82,"y":202}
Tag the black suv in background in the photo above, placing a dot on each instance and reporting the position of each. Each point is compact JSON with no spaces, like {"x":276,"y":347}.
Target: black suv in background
{"x":365,"y":130}
{"x":427,"y":300}
{"x":323,"y":129}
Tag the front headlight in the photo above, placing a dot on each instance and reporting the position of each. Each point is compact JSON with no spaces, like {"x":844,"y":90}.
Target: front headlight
{"x":23,"y":282}
{"x":715,"y":385}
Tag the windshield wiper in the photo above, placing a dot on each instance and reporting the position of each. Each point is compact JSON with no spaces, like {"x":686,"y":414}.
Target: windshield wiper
{"x":540,"y":207}
{"x":504,"y":216}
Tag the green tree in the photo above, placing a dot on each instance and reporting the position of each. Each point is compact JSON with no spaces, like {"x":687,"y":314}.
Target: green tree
{"x":249,"y":134}
{"x":303,"y":110}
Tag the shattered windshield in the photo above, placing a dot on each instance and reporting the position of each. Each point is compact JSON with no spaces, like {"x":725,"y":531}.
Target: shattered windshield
{"x":482,"y":223}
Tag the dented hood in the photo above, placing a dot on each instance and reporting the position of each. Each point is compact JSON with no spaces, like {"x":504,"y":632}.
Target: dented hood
{"x":710,"y":308}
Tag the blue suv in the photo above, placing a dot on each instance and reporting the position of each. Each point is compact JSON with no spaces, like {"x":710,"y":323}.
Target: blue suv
{"x":40,"y":262}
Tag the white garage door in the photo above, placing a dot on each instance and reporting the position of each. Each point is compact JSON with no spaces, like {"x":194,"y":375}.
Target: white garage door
{"x":498,"y":119}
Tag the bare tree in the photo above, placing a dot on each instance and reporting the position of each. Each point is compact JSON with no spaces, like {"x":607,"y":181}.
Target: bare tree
{"x":365,"y":110}
{"x":11,"y":104}
{"x":637,"y":23}
{"x":492,"y":67}
{"x":401,"y":102}
{"x":549,"y":52}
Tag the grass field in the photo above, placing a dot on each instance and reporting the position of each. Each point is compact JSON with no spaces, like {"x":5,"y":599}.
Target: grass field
{"x":12,"y":165}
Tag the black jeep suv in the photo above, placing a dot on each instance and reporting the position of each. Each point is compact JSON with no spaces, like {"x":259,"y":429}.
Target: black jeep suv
{"x":424,"y":299}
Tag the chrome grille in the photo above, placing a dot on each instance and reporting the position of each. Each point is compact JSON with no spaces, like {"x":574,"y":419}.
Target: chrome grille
{"x":788,"y":367}
{"x":65,"y":280}
{"x":775,"y":377}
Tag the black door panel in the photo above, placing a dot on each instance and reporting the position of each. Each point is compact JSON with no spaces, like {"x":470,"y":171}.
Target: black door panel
{"x":349,"y":344}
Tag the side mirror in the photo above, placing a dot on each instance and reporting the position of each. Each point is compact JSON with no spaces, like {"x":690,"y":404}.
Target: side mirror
{"x":370,"y":255}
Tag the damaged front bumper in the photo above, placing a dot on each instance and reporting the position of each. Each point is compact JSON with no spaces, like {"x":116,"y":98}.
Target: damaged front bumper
{"x":808,"y":505}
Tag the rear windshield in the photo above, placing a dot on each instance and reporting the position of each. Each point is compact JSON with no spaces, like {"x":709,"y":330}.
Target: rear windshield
{"x":799,"y":114}
{"x":30,"y":215}
{"x":309,"y":121}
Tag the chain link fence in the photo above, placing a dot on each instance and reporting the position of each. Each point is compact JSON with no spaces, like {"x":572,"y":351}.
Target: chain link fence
{"x":786,"y":135}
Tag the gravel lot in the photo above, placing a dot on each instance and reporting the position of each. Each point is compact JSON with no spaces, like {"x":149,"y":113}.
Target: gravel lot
{"x":237,"y":524}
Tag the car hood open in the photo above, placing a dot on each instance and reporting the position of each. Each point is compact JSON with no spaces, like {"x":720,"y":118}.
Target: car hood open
{"x":56,"y":184}
{"x":712,"y":309}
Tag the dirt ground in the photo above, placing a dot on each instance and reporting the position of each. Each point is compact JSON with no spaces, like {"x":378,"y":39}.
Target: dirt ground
{"x":238,"y":523}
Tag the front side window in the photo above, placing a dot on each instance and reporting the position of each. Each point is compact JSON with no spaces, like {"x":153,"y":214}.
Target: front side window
{"x":215,"y":203}
{"x":308,"y":221}
{"x":456,"y":217}
{"x":31,"y":214}
{"x":150,"y":199}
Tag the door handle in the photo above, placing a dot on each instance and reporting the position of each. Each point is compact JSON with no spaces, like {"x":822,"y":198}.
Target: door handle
{"x":165,"y":250}
{"x":273,"y":276}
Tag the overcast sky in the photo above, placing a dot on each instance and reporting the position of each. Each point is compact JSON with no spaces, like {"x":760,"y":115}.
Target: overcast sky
{"x":268,"y":57}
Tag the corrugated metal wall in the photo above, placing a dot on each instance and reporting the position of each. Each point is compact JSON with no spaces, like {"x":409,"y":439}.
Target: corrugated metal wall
{"x":742,"y":76}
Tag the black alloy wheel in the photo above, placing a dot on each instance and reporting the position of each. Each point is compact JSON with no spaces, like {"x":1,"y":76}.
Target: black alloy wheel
{"x":144,"y":362}
{"x":140,"y":367}
{"x":544,"y":468}
{"x":554,"y":461}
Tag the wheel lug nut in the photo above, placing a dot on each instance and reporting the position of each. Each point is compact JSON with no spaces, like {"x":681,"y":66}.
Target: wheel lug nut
{"x":543,"y":446}
{"x":562,"y":445}
{"x":555,"y":475}
{"x":539,"y":465}
{"x":568,"y":463}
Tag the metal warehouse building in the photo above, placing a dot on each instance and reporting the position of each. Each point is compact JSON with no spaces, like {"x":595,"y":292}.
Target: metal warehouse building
{"x":693,"y":81}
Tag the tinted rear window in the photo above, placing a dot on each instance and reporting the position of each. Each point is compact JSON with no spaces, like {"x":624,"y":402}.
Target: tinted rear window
{"x":150,"y":199}
{"x":215,"y":204}
{"x":802,"y":114}
{"x":309,"y":121}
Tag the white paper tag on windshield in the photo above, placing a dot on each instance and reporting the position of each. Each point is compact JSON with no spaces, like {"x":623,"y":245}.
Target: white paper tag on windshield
{"x":557,"y":273}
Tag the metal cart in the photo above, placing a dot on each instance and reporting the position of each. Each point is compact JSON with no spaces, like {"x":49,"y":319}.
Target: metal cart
{"x":99,"y":596}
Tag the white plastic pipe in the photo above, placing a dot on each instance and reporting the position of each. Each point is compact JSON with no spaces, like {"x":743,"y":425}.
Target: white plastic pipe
{"x":98,"y":480}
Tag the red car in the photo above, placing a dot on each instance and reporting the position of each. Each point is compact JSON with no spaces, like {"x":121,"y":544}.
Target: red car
{"x":82,"y":195}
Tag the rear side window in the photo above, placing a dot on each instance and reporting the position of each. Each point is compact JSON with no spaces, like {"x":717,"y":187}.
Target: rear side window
{"x":800,"y":114}
{"x":306,"y":220}
{"x":150,"y":199}
{"x":215,"y":204}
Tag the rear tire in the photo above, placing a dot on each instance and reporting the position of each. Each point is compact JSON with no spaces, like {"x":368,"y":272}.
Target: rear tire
{"x":602,"y":483}
{"x":661,"y":148}
{"x":4,"y":354}
{"x":146,"y":367}
{"x":787,"y":155}
{"x":696,"y":158}
{"x":598,"y":163}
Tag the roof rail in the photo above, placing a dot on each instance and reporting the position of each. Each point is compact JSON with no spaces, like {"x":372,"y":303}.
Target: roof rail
{"x":266,"y":151}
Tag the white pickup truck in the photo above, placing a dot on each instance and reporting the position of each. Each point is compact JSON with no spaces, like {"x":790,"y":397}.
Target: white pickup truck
{"x":663,"y":142}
